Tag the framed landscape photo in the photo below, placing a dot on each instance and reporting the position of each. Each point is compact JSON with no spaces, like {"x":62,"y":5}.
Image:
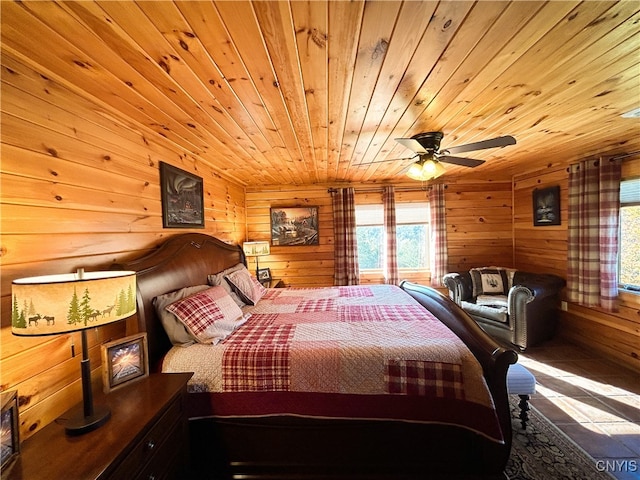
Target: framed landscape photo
{"x":124,"y":360}
{"x":182,"y":198}
{"x":294,"y":226}
{"x":9,"y":430}
{"x":546,"y":206}
{"x":264,"y":275}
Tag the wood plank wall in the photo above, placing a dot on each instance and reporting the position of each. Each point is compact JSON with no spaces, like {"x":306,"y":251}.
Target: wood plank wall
{"x":544,"y":249}
{"x":79,"y":188}
{"x":478,"y":217}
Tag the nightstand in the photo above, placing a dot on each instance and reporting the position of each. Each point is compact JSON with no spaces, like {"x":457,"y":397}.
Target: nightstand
{"x":147,"y":436}
{"x":273,"y":283}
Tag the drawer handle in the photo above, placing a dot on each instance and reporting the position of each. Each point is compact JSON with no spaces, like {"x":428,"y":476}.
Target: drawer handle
{"x":151,"y":445}
{"x":151,"y":476}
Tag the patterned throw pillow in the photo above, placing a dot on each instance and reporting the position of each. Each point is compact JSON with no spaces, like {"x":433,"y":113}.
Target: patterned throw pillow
{"x":489,"y":281}
{"x":217,"y":280}
{"x":247,"y":287}
{"x":175,"y":329}
{"x":209,"y":316}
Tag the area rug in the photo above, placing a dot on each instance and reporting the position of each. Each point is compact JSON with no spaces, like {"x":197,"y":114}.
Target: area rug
{"x":543,"y":451}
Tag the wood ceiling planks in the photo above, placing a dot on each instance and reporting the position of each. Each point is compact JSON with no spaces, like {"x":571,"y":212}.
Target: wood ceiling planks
{"x":305,"y":92}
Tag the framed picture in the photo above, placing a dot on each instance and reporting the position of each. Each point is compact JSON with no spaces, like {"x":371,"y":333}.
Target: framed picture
{"x":294,"y":226}
{"x":9,"y":429}
{"x":546,"y":206}
{"x":264,"y":275}
{"x":182,"y":198}
{"x":124,"y":360}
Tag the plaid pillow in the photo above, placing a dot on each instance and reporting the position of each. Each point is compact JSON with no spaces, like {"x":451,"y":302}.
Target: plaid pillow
{"x":247,"y":287}
{"x":489,"y":281}
{"x":209,"y":316}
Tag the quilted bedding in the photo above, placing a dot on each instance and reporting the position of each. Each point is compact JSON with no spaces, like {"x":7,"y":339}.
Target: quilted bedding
{"x":360,"y":352}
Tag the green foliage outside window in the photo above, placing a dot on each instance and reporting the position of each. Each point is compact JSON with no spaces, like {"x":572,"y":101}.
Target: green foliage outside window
{"x":630,"y":245}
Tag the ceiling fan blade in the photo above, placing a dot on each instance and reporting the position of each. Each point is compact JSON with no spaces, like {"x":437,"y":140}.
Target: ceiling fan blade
{"x":465,"y":162}
{"x":492,"y":143}
{"x":411,"y":144}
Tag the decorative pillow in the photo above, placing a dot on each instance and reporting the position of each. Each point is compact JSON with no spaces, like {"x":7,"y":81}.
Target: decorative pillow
{"x":217,"y":280}
{"x":209,"y":316}
{"x":247,"y":287}
{"x":176,"y":331}
{"x":489,"y":281}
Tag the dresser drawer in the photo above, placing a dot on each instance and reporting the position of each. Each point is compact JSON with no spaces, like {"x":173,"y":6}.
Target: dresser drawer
{"x":146,"y":449}
{"x":165,"y":464}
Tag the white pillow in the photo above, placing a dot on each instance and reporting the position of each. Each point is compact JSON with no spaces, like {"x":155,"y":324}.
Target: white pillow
{"x":209,"y":316}
{"x":175,"y":329}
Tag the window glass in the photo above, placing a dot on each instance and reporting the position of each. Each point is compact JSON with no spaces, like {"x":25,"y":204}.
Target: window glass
{"x":629,"y":249}
{"x":412,"y":236}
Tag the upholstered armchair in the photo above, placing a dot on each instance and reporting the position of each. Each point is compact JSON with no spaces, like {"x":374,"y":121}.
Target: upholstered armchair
{"x":516,"y":307}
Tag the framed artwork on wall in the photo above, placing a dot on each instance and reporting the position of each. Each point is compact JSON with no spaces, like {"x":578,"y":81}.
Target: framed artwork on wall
{"x":294,"y":226}
{"x":182,"y":198}
{"x":124,"y":360}
{"x":546,"y":206}
{"x":9,"y":430}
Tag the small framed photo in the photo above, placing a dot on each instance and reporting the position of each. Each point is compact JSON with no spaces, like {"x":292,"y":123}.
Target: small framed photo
{"x":264,"y":275}
{"x":546,"y":206}
{"x":9,"y":430}
{"x":124,"y":360}
{"x":182,"y":198}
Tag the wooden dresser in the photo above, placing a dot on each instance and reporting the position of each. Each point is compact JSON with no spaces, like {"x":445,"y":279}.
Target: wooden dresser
{"x":147,"y":437}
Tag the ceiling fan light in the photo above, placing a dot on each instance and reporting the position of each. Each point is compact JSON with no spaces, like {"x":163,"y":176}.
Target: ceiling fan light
{"x":415,"y":172}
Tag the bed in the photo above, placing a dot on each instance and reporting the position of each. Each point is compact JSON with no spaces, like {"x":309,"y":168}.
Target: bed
{"x":410,"y":415}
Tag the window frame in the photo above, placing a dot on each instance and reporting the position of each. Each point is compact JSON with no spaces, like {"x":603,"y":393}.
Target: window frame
{"x":427,"y":223}
{"x":626,"y":201}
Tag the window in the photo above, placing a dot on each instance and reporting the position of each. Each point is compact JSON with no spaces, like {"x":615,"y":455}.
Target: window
{"x":629,"y":250}
{"x":412,"y":236}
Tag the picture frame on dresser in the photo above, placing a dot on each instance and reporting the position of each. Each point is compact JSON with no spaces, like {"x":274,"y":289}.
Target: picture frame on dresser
{"x":264,"y":275}
{"x":124,"y":360}
{"x":182,"y":198}
{"x":9,"y":430}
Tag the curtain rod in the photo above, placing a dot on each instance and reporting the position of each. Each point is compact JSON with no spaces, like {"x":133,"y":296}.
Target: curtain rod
{"x":379,"y":189}
{"x":626,"y":155}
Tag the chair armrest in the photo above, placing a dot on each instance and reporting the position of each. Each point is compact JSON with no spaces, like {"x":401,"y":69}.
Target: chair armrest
{"x":459,"y":285}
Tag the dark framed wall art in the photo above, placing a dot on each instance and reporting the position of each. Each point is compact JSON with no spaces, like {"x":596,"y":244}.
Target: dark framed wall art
{"x":546,"y":206}
{"x":294,"y":226}
{"x":182,"y":198}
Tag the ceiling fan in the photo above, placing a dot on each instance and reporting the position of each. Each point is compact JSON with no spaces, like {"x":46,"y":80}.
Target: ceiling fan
{"x":427,"y":148}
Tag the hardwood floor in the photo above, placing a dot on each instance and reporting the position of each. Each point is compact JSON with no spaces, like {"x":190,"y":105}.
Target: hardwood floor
{"x":594,"y":401}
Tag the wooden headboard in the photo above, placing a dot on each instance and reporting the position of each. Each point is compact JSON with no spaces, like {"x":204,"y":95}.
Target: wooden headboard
{"x":182,"y":261}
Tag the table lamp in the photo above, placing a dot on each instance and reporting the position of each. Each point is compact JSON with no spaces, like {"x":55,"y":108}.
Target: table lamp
{"x":57,"y":304}
{"x":256,"y":249}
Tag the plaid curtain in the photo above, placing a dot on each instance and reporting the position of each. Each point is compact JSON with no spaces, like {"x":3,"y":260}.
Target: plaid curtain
{"x":391,"y":252}
{"x":346,"y":271}
{"x":438,"y":219}
{"x":594,"y":205}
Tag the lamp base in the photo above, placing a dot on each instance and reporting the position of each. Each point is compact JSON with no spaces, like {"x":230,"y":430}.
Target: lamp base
{"x":75,"y":422}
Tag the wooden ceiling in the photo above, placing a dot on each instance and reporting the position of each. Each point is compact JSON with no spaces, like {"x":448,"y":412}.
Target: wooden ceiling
{"x":304,"y":92}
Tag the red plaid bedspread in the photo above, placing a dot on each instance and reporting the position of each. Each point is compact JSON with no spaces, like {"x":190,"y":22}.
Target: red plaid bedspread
{"x":340,"y":352}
